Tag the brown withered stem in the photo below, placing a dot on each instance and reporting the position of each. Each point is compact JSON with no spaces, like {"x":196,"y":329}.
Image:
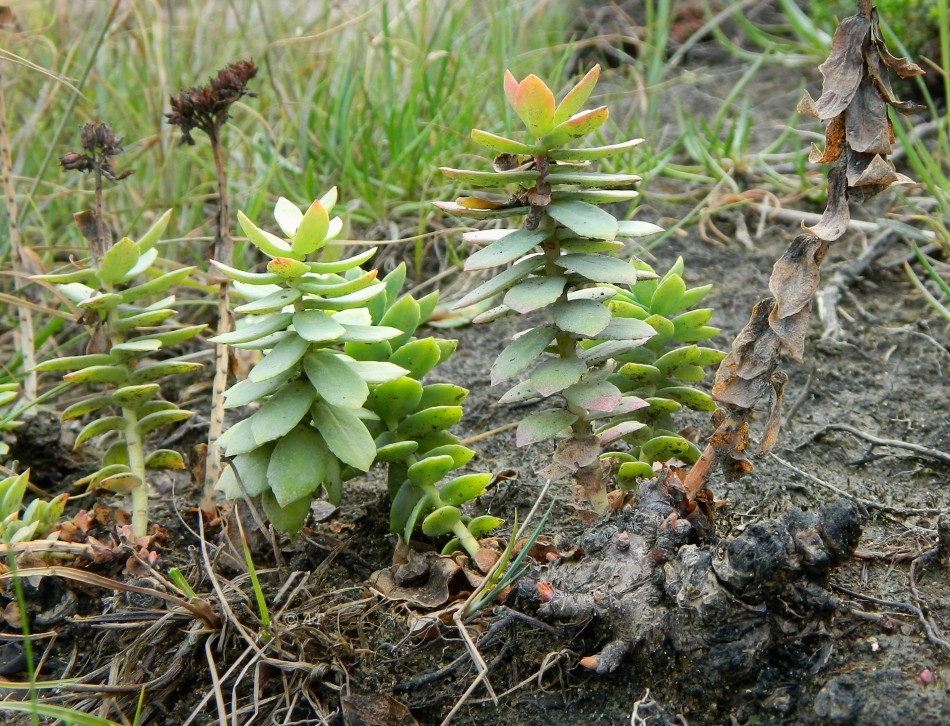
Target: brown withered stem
{"x":207,"y":108}
{"x":856,"y":93}
{"x":99,"y":144}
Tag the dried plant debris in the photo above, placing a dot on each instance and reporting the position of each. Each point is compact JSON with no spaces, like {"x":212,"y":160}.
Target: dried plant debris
{"x":748,"y":379}
{"x":855,"y":95}
{"x":207,"y":107}
{"x":650,"y":592}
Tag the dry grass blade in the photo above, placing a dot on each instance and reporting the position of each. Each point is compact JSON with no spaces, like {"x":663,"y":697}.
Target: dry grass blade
{"x":201,"y":611}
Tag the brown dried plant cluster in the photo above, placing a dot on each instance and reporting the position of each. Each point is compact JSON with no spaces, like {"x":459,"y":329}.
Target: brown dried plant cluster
{"x":855,"y":95}
{"x":206,"y":107}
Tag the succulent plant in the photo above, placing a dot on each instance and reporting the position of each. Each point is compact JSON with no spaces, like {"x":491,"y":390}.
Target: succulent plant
{"x":412,"y":434}
{"x":564,"y":264}
{"x":126,"y":333}
{"x":339,"y":386}
{"x":35,"y":521}
{"x":658,"y":371}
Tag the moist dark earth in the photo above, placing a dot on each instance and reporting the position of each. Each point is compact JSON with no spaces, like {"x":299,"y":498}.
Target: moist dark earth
{"x":863,"y":657}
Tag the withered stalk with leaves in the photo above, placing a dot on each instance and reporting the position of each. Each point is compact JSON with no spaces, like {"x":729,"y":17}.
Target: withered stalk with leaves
{"x":856,"y":92}
{"x":207,"y":108}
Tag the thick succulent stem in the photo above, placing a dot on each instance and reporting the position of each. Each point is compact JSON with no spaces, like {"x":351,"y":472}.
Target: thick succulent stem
{"x":466,"y":539}
{"x":136,"y":449}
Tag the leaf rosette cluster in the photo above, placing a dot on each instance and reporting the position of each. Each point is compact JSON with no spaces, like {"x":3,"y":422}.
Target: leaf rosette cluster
{"x":339,"y":385}
{"x":563,"y":262}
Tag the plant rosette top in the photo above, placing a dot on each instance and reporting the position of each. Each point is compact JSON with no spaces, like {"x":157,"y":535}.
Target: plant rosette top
{"x":339,"y":385}
{"x":565,"y":264}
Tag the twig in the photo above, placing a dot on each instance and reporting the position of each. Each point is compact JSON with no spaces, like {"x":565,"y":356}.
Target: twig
{"x":842,"y":493}
{"x":488,"y":434}
{"x":877,"y":441}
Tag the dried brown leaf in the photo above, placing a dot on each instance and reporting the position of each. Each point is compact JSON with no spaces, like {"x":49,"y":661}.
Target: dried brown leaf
{"x":577,"y":452}
{"x":742,"y":379}
{"x":901,"y":66}
{"x":806,"y":106}
{"x":844,"y":68}
{"x":834,"y":221}
{"x":774,"y":423}
{"x":794,"y":281}
{"x":430,"y":583}
{"x":866,"y":121}
{"x":834,"y":142}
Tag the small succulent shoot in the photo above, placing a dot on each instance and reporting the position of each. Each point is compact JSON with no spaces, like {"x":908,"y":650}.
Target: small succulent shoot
{"x":339,"y":384}
{"x":658,"y":372}
{"x":411,"y":433}
{"x":207,"y":108}
{"x":121,"y":363}
{"x":564,"y":264}
{"x":35,"y":521}
{"x":99,"y":144}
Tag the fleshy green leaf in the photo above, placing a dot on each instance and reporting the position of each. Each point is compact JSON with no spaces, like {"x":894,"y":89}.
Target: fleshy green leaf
{"x":118,"y":260}
{"x":429,"y":470}
{"x":626,"y":329}
{"x":312,"y":230}
{"x":575,"y":99}
{"x":250,"y":333}
{"x":584,"y":219}
{"x":521,"y":353}
{"x":154,"y":233}
{"x":166,"y":459}
{"x":535,"y":293}
{"x":334,"y":380}
{"x":464,"y":488}
{"x":345,"y":435}
{"x":281,"y":412}
{"x":316,"y":326}
{"x":534,"y":104}
{"x":595,"y":396}
{"x":252,"y":470}
{"x":501,"y":281}
{"x":582,"y":317}
{"x":298,"y":465}
{"x":282,"y":357}
{"x":556,"y":374}
{"x":502,"y":145}
{"x":578,"y":125}
{"x":244,"y":392}
{"x":271,"y":245}
{"x":287,"y":216}
{"x":597,"y":152}
{"x":507,"y":249}
{"x":287,"y":519}
{"x":599,"y":268}
{"x":395,"y":400}
{"x":418,"y":356}
{"x":543,"y":425}
{"x":429,"y":421}
{"x":490,"y":178}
